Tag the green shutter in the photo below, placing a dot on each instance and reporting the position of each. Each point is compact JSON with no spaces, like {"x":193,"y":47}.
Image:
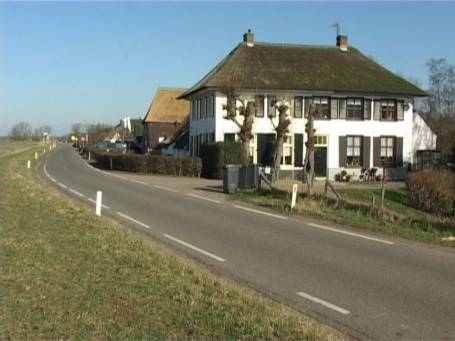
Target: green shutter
{"x":333,"y":108}
{"x":367,"y":109}
{"x":377,"y":152}
{"x":399,"y":151}
{"x":342,"y":108}
{"x":342,"y":151}
{"x":400,"y":111}
{"x":308,"y":102}
{"x":292,"y":108}
{"x":366,"y":151}
{"x":377,"y":110}
{"x":298,"y":150}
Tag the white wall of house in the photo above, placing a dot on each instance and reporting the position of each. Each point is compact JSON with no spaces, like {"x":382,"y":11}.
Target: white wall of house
{"x":423,"y":137}
{"x":414,"y":131}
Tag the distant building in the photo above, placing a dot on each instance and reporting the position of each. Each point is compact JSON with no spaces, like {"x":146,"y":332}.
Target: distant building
{"x":164,"y":116}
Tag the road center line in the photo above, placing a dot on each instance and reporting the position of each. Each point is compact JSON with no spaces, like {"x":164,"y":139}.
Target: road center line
{"x":102,"y":205}
{"x":323,"y":227}
{"x":166,"y":188}
{"x":324,"y":303}
{"x":76,"y":192}
{"x":203,"y":198}
{"x":260,"y":212}
{"x":62,"y":185}
{"x":133,"y":220}
{"x":195,"y":248}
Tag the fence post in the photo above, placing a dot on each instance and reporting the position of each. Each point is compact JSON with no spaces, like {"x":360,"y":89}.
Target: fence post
{"x":111,"y":163}
{"x":382,"y":196}
{"x":36,"y":155}
{"x":28,"y":164}
{"x":294,"y":195}
{"x":99,"y":198}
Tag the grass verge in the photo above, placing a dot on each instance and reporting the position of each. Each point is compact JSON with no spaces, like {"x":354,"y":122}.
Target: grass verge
{"x":399,"y":219}
{"x":68,"y":274}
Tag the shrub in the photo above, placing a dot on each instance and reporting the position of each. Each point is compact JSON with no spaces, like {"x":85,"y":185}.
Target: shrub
{"x":155,"y":164}
{"x":216,"y":155}
{"x":432,"y":191}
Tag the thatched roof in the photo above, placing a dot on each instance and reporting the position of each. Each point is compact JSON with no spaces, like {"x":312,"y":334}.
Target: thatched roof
{"x":166,"y":107}
{"x":267,"y":66}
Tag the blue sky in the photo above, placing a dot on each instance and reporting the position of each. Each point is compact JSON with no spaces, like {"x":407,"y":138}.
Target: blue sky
{"x":62,"y":63}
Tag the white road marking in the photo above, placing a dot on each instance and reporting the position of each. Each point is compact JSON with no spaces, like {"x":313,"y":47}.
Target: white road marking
{"x":119,"y":177}
{"x":261,"y":212}
{"x":62,"y":185}
{"x":322,"y":227}
{"x":102,"y":205}
{"x":195,"y":248}
{"x":53,"y":179}
{"x":76,"y":192}
{"x":324,"y":303}
{"x":133,"y":220}
{"x":138,"y":182}
{"x":166,"y":188}
{"x":203,"y":198}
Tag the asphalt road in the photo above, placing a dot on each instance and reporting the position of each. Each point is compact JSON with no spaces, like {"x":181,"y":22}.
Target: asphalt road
{"x":369,"y":286}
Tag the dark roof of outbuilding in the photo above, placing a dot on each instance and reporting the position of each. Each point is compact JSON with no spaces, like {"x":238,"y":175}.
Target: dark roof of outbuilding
{"x":267,"y":66}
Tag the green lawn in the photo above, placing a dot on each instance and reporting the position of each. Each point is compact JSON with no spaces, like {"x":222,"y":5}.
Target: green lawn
{"x":412,"y":224}
{"x":68,"y":274}
{"x":7,"y":146}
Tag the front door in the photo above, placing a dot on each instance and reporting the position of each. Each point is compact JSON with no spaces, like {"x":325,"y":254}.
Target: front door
{"x":265,"y":149}
{"x":320,"y":161}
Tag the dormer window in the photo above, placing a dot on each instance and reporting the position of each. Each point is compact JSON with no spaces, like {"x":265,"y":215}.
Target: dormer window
{"x":354,"y":109}
{"x":321,"y":108}
{"x":388,"y":110}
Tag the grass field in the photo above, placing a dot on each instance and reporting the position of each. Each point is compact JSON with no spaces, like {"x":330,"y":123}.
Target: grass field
{"x":67,"y":274}
{"x":7,"y":146}
{"x":413,"y":224}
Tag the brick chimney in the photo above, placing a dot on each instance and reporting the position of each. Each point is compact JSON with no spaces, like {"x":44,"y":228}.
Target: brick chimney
{"x":342,"y":42}
{"x":248,"y":38}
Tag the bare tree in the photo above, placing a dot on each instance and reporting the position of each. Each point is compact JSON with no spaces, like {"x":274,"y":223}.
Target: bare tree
{"x":21,"y":131}
{"x":281,"y":129}
{"x":246,"y":110}
{"x":76,"y":128}
{"x":308,"y":166}
{"x":442,"y":86}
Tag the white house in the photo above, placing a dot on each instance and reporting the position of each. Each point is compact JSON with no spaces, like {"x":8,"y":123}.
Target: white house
{"x":364,"y":117}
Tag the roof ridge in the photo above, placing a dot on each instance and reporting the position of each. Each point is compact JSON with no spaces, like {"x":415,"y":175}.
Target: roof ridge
{"x":263,"y":43}
{"x":164,"y":88}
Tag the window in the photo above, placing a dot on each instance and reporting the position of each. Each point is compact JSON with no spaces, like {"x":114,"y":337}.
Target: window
{"x":320,"y":140}
{"x":355,"y":109}
{"x":353,"y":151}
{"x":271,"y":109}
{"x":198,"y":109}
{"x":287,"y":151}
{"x":388,"y":110}
{"x":321,"y":108}
{"x":259,"y":106}
{"x":229,"y":138}
{"x":204,"y":107}
{"x":212,"y":106}
{"x":387,"y":153}
{"x":210,"y":137}
{"x":298,"y":109}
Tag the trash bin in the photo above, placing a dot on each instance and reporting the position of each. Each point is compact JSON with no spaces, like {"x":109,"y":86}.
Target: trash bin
{"x":230,"y":178}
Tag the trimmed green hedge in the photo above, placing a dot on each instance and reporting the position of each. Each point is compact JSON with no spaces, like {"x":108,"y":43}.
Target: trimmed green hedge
{"x":154,"y":164}
{"x":216,"y":155}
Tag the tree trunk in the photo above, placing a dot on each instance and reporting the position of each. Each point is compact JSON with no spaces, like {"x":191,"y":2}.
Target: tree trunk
{"x":308,"y":167}
{"x":281,"y":130}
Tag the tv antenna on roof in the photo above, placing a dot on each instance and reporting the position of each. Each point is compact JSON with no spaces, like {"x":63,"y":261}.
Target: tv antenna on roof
{"x":337,"y":27}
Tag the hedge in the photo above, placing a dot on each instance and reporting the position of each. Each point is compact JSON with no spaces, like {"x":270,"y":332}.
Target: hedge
{"x":432,"y":191}
{"x":216,"y":155}
{"x":154,"y":164}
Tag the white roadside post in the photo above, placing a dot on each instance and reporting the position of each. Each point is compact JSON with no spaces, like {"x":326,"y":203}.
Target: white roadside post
{"x":99,"y":198}
{"x":36,"y":155}
{"x":294,"y":195}
{"x":44,"y":150}
{"x":29,"y":164}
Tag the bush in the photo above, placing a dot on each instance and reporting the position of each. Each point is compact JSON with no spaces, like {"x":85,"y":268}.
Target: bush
{"x":216,"y":155}
{"x":432,"y":191}
{"x":155,"y":164}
